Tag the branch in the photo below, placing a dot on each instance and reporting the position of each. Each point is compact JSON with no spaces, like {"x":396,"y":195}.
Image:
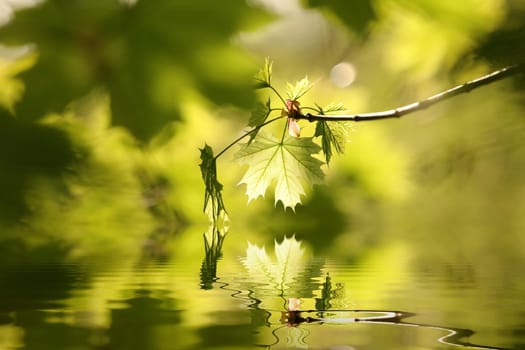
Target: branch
{"x":248,"y":133}
{"x":421,"y":105}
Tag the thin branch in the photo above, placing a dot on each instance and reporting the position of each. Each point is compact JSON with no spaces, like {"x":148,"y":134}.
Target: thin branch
{"x":246,"y":134}
{"x":278,"y":94}
{"x":421,"y":105}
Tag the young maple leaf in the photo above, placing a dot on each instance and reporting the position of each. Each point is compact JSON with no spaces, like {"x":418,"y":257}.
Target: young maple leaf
{"x":263,"y":79}
{"x":294,"y":92}
{"x":289,"y":164}
{"x":333,"y":135}
{"x":213,"y":203}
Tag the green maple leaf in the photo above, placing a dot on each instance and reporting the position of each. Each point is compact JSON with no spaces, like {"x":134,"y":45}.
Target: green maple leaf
{"x":259,"y":116}
{"x":294,"y":92}
{"x":333,"y":135}
{"x":260,"y":113}
{"x":289,"y":164}
{"x":280,"y":271}
{"x":263,"y":79}
{"x":213,"y":203}
{"x":334,"y":107}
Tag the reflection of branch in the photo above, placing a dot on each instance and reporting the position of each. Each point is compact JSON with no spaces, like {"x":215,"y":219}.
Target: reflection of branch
{"x":454,"y":336}
{"x":421,"y":105}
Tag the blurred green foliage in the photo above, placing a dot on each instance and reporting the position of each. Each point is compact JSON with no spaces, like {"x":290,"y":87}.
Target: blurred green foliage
{"x":357,"y":15}
{"x":106,"y":103}
{"x":148,"y":56}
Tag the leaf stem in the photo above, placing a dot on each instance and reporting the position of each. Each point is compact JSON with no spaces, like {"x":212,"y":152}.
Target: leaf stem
{"x":249,"y":132}
{"x":284,"y":131}
{"x":423,"y":104}
{"x":278,"y":94}
{"x":311,"y":109}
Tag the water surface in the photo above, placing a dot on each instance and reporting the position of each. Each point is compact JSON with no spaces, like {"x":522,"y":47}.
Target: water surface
{"x":173,"y":306}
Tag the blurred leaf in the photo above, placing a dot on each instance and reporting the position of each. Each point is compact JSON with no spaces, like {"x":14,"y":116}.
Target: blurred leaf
{"x":356,"y":14}
{"x":28,"y":151}
{"x":288,"y":163}
{"x":263,"y":79}
{"x":148,"y":56}
{"x":333,"y":134}
{"x":300,"y":88}
{"x":12,"y":62}
{"x":506,"y":45}
{"x":280,"y":272}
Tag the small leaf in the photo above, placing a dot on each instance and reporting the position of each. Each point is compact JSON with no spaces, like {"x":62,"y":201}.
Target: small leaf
{"x":333,"y":134}
{"x":337,"y":107}
{"x":259,"y":116}
{"x":289,"y":164}
{"x":263,"y":79}
{"x":213,"y":203}
{"x":13,"y":62}
{"x":300,"y":88}
{"x":261,"y":112}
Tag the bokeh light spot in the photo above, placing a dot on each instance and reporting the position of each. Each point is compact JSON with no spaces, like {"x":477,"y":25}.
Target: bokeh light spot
{"x":343,"y":74}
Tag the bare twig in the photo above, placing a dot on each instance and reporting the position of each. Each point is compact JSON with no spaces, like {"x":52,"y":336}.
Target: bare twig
{"x":421,"y":105}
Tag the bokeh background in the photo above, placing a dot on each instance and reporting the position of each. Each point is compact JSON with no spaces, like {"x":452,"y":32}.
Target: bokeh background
{"x":105,"y":104}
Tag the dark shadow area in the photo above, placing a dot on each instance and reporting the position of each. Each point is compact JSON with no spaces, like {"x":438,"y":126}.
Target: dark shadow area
{"x":137,"y":326}
{"x":29,"y":287}
{"x":27,"y":151}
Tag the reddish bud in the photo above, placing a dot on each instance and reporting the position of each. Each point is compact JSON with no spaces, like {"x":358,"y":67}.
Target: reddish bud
{"x":293,"y":128}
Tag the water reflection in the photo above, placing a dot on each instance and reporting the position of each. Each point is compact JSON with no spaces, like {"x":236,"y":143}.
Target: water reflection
{"x":453,"y":336}
{"x":164,"y":306}
{"x":38,"y":287}
{"x":145,"y":322}
{"x":290,"y":330}
{"x":213,"y":240}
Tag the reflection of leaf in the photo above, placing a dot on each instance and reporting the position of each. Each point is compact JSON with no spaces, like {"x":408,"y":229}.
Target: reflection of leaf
{"x":288,"y":163}
{"x":213,"y":240}
{"x":282,"y":271}
{"x":333,"y":134}
{"x":300,"y":88}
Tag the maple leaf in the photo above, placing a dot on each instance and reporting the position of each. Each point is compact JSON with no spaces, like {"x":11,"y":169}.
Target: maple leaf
{"x":263,"y":79}
{"x":333,"y":134}
{"x":294,"y":92}
{"x":213,"y":203}
{"x":289,"y":164}
{"x":259,"y":116}
{"x":260,"y":113}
